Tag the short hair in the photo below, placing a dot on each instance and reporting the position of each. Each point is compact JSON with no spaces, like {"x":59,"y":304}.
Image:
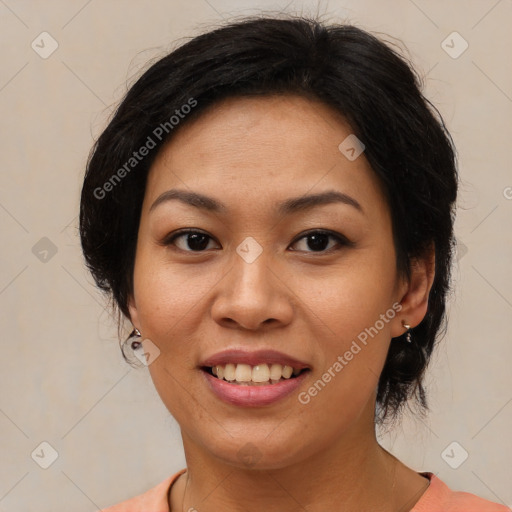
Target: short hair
{"x":351,"y":71}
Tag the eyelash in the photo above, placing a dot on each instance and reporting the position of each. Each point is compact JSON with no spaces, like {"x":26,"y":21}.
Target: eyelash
{"x":342,"y":240}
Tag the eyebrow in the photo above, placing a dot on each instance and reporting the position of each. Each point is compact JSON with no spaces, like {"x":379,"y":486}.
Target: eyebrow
{"x":292,"y":205}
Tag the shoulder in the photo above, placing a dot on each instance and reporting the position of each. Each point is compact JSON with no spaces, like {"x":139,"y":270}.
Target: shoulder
{"x":440,"y":498}
{"x":153,"y":500}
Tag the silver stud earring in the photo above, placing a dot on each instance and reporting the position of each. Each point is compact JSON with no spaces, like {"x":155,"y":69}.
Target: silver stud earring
{"x":408,"y":335}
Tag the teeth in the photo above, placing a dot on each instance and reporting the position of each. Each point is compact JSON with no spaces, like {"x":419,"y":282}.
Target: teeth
{"x":260,"y":374}
{"x":276,"y":371}
{"x":229,"y":372}
{"x":287,"y":372}
{"x":243,"y":373}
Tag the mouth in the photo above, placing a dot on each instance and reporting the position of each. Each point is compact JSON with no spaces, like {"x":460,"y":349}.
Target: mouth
{"x":258,"y":375}
{"x":256,"y":378}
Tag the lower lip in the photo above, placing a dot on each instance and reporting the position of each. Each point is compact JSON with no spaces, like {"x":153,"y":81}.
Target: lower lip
{"x":253,"y":396}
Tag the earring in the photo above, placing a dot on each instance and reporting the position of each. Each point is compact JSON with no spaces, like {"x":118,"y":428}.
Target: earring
{"x":134,"y":339}
{"x":408,"y":335}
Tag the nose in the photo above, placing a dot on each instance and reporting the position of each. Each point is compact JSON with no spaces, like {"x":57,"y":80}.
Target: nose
{"x":253,"y":296}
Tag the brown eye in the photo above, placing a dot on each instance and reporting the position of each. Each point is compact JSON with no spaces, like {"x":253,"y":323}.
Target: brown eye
{"x":318,"y":241}
{"x":193,"y":241}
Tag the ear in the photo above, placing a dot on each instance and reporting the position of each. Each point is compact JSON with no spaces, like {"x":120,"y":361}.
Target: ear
{"x":414,"y":293}
{"x":134,"y":315}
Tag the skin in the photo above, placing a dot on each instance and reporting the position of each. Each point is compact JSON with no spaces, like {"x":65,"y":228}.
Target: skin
{"x":251,"y":153}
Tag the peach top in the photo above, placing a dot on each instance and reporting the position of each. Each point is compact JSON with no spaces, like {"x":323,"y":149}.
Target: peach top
{"x":437,"y":498}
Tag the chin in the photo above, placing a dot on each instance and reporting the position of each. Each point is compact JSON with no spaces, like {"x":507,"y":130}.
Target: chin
{"x":258,"y":452}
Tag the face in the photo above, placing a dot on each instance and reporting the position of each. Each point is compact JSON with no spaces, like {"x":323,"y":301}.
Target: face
{"x":264,"y":280}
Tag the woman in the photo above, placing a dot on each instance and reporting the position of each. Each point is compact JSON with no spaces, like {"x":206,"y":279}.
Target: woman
{"x":203,"y":207}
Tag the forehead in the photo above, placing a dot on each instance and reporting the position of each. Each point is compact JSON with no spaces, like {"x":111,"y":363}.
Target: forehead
{"x":267,"y":147}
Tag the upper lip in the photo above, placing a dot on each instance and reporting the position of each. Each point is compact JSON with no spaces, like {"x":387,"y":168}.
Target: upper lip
{"x":253,"y":358}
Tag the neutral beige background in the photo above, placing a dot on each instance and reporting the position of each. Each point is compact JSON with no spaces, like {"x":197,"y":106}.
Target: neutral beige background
{"x":62,"y":376}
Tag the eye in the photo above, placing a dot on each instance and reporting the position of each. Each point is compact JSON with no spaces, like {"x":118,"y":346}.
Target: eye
{"x":320,"y":238}
{"x":197,"y":241}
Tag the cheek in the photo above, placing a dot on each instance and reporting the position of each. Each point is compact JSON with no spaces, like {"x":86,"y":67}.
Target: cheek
{"x":354,"y":306}
{"x":351,"y":297}
{"x":166,"y":294}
